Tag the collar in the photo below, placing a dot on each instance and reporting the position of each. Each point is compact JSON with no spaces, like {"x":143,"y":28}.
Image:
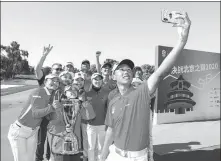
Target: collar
{"x":131,"y":88}
{"x":106,"y":81}
{"x":93,"y":90}
{"x":47,"y":91}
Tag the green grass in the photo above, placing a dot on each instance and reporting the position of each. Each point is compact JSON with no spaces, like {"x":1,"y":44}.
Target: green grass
{"x":30,"y":77}
{"x":12,"y":90}
{"x":27,"y":84}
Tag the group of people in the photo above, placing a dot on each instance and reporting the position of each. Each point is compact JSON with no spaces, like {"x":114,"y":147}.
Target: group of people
{"x":106,"y":115}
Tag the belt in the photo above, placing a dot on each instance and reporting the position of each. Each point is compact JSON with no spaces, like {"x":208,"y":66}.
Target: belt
{"x":17,"y":123}
{"x":55,"y":154}
{"x":130,"y":154}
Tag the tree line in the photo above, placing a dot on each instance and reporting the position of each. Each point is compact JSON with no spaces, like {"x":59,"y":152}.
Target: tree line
{"x":14,"y":61}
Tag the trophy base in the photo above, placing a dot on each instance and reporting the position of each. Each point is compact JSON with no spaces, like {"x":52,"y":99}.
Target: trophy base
{"x":70,"y":148}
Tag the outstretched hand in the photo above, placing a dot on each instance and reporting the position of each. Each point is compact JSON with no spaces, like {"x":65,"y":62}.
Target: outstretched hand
{"x":47,"y":50}
{"x":183,"y":25}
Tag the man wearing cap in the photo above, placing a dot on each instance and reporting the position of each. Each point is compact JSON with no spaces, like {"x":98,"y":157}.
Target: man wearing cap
{"x":79,"y":82}
{"x":68,"y":115}
{"x":70,"y":68}
{"x":138,"y":73}
{"x":56,"y":68}
{"x":96,"y":127}
{"x":66,"y":79}
{"x":43,"y":127}
{"x":23,"y":132}
{"x":105,"y":70}
{"x":40,"y":75}
{"x":85,"y":71}
{"x":128,"y":117}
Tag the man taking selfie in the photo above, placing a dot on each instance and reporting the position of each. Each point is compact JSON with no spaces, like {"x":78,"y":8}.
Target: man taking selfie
{"x":128,"y":117}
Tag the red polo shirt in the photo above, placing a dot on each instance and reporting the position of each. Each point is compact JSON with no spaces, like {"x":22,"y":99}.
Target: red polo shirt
{"x":129,"y":116}
{"x":99,"y":103}
{"x":36,"y":108}
{"x":111,"y":84}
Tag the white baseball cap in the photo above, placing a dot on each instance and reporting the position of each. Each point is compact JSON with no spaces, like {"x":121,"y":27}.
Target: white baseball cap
{"x":69,"y":63}
{"x":78,"y":75}
{"x":95,"y":75}
{"x":51,"y":76}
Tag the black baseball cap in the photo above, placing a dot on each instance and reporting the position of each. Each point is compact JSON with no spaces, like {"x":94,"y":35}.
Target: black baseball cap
{"x":128,"y":62}
{"x":106,"y":64}
{"x":85,"y":62}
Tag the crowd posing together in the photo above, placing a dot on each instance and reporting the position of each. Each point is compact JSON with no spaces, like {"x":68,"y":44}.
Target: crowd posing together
{"x":105,"y":115}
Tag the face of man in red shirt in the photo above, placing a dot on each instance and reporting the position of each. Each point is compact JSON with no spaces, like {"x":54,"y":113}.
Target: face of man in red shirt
{"x":52,"y":84}
{"x":56,"y":69}
{"x":69,"y":68}
{"x":85,"y":67}
{"x":106,"y":70}
{"x":123,"y":74}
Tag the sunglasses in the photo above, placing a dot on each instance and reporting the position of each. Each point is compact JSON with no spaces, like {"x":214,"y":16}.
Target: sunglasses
{"x":98,"y":79}
{"x":69,"y":66}
{"x":58,"y":69}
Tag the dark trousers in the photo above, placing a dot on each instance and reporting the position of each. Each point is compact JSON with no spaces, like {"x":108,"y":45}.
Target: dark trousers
{"x":42,"y":133}
{"x":58,"y":157}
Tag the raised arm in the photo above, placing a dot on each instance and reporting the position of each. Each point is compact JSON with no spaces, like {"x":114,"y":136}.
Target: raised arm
{"x":98,"y":66}
{"x":38,"y":71}
{"x":166,"y":65}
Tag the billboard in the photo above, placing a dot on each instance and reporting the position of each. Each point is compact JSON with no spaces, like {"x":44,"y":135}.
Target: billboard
{"x":191,"y":90}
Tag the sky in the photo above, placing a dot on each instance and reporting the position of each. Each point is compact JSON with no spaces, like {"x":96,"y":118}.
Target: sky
{"x":118,"y":29}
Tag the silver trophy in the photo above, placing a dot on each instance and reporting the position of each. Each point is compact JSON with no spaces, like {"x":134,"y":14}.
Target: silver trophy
{"x":70,"y":112}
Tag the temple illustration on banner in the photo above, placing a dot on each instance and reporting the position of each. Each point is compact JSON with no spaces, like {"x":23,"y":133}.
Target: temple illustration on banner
{"x":179,"y":97}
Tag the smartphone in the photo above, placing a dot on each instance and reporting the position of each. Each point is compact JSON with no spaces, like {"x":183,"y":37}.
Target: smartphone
{"x":170,"y":17}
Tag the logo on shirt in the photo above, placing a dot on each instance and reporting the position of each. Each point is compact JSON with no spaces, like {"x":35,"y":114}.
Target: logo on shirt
{"x":36,"y":96}
{"x":113,"y":110}
{"x":127,"y":105}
